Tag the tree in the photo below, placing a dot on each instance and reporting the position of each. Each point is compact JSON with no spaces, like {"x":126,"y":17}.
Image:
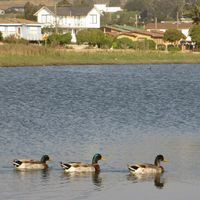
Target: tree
{"x":195,"y":34}
{"x":173,"y":36}
{"x":193,"y":11}
{"x":1,"y":36}
{"x":29,"y":11}
{"x":63,"y":3}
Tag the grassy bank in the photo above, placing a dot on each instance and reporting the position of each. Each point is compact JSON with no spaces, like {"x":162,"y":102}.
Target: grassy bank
{"x":32,"y":55}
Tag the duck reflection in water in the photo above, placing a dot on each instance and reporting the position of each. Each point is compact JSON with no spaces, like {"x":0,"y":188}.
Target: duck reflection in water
{"x":158,"y":179}
{"x":43,"y":174}
{"x":78,"y":176}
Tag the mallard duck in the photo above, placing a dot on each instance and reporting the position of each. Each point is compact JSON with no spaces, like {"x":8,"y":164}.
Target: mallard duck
{"x":82,"y":167}
{"x":148,"y":168}
{"x":31,"y":164}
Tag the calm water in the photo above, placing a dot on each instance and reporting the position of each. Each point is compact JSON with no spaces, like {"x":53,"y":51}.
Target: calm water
{"x":127,"y":113}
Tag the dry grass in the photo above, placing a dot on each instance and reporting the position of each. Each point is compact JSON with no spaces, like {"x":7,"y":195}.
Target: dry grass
{"x":34,"y":55}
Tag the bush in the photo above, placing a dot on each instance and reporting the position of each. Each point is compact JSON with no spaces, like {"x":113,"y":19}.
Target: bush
{"x":107,"y":42}
{"x":123,"y":43}
{"x":92,"y":37}
{"x":173,"y":48}
{"x":144,"y":45}
{"x":14,"y":40}
{"x":57,"y":39}
{"x":1,"y":36}
{"x":161,"y":47}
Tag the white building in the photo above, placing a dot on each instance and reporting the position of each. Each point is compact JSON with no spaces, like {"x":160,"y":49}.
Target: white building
{"x":72,"y":18}
{"x":21,"y":28}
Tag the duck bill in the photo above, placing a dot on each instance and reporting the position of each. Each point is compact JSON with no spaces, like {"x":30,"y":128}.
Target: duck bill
{"x":103,"y":158}
{"x":166,"y":161}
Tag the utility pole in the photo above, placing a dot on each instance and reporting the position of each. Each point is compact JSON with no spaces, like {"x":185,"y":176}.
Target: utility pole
{"x":156,"y":22}
{"x":177,"y":20}
{"x":136,"y":20}
{"x":56,"y":22}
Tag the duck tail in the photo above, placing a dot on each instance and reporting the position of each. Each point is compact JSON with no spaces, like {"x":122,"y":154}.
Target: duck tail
{"x":65,"y":165}
{"x":16,"y":163}
{"x":132,"y":168}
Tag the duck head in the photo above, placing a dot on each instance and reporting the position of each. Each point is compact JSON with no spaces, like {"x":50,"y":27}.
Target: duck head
{"x":45,"y":158}
{"x":96,"y":158}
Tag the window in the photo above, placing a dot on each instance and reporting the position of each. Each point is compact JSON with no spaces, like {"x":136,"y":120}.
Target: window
{"x":45,"y":18}
{"x":93,"y":19}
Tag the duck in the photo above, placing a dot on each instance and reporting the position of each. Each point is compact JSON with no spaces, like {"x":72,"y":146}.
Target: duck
{"x":142,"y":169}
{"x":21,"y":164}
{"x":83,"y":167}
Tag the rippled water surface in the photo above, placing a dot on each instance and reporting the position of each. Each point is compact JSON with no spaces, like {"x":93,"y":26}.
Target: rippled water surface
{"x":127,"y":113}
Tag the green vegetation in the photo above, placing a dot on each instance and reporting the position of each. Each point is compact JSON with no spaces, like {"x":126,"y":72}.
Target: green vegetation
{"x":1,"y":36}
{"x":59,"y":39}
{"x":29,"y":11}
{"x":195,"y":34}
{"x":93,"y":37}
{"x":173,"y":36}
{"x":33,"y":55}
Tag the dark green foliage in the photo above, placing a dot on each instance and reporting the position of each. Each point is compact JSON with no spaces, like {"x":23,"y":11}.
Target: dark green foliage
{"x":173,"y":35}
{"x":107,"y":42}
{"x":161,"y":47}
{"x":63,"y":3}
{"x":29,"y":11}
{"x":193,"y":11}
{"x":91,"y":36}
{"x":162,"y":9}
{"x":1,"y":36}
{"x":12,"y":39}
{"x":173,"y":48}
{"x":144,"y":45}
{"x":123,"y":43}
{"x":59,"y":39}
{"x":195,"y":34}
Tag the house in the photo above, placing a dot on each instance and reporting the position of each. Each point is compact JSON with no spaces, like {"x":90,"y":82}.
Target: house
{"x":15,"y":9}
{"x":71,"y":18}
{"x":134,"y":33}
{"x":104,"y":8}
{"x":184,"y":27}
{"x":21,"y":28}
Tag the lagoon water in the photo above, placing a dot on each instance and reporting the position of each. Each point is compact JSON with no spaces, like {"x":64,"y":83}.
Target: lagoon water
{"x":127,"y":113}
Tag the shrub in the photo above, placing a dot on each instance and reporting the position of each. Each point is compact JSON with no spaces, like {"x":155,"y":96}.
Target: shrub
{"x":92,"y":37}
{"x":123,"y":43}
{"x":161,"y":47}
{"x":173,"y":48}
{"x":107,"y":42}
{"x":14,"y":40}
{"x":57,"y":39}
{"x":144,"y":45}
{"x":1,"y":36}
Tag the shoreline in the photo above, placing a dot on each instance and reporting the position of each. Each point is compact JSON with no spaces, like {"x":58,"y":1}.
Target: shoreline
{"x":31,"y":55}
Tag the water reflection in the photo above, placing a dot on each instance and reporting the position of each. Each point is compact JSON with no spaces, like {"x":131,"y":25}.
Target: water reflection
{"x":43,"y":174}
{"x":78,"y":176}
{"x":158,"y":179}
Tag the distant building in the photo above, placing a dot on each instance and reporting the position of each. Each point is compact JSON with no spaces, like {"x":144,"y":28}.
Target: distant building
{"x":72,"y":18}
{"x":2,"y":11}
{"x":21,"y":28}
{"x":15,"y":9}
{"x":184,"y":27}
{"x":134,"y":33}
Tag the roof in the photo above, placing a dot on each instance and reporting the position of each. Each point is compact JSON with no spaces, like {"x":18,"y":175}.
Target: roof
{"x":16,"y":21}
{"x":169,"y":25}
{"x":69,"y":11}
{"x":135,"y":32}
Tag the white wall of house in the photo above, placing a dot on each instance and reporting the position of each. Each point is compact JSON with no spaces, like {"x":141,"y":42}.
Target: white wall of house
{"x":28,"y":32}
{"x":104,"y":8}
{"x":92,"y":20}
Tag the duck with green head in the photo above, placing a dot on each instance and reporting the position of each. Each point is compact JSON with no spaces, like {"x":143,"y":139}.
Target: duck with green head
{"x":21,"y":164}
{"x":83,"y":167}
{"x":147,"y":168}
